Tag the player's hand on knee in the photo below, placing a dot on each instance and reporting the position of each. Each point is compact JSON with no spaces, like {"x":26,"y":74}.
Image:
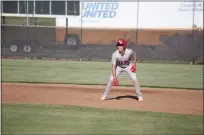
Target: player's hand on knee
{"x":115,"y":81}
{"x":133,"y":68}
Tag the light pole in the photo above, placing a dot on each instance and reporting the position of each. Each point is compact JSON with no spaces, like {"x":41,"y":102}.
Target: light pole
{"x":138,"y":4}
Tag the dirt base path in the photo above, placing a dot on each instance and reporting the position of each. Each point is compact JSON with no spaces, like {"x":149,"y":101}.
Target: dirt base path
{"x":155,"y":100}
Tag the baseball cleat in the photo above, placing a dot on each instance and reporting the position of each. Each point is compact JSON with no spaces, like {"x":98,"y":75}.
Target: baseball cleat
{"x":140,"y":98}
{"x":103,"y":97}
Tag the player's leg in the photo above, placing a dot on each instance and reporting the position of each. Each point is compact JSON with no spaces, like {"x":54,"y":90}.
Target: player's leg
{"x":110,"y":83}
{"x":136,"y":83}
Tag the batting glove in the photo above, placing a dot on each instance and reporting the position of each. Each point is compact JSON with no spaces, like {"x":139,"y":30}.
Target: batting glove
{"x":133,"y":68}
{"x":115,"y":81}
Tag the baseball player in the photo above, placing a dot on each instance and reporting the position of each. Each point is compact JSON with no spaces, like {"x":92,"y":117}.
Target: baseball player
{"x":123,"y":60}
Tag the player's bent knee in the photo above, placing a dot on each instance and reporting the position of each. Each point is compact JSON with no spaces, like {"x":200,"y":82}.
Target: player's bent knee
{"x":111,"y":79}
{"x":134,"y":79}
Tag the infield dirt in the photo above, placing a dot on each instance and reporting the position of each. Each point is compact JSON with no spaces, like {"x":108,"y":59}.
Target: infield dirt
{"x":155,"y":100}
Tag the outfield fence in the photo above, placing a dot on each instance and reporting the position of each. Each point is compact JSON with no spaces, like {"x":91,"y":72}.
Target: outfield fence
{"x":38,"y":37}
{"x":41,"y":42}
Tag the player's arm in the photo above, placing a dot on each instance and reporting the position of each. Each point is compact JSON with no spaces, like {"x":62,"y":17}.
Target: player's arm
{"x":113,"y":71}
{"x":115,"y":81}
{"x":113,"y":66}
{"x":134,"y":57}
{"x":135,"y":60}
{"x":133,"y":68}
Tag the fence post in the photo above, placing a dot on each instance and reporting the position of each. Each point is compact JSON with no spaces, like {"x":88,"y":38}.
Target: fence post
{"x":66,"y":25}
{"x":138,"y":3}
{"x":81,"y":28}
{"x":193,"y":26}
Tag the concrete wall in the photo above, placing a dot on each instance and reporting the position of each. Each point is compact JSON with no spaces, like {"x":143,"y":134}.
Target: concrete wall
{"x":96,"y":36}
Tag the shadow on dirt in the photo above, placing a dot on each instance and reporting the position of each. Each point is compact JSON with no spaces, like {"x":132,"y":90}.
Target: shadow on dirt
{"x":122,"y":97}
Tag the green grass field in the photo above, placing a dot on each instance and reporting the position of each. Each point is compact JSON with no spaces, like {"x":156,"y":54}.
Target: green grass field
{"x":75,"y":72}
{"x":56,"y":119}
{"x":51,"y":119}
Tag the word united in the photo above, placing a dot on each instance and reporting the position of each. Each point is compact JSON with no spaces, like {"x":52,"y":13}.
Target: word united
{"x":100,"y":9}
